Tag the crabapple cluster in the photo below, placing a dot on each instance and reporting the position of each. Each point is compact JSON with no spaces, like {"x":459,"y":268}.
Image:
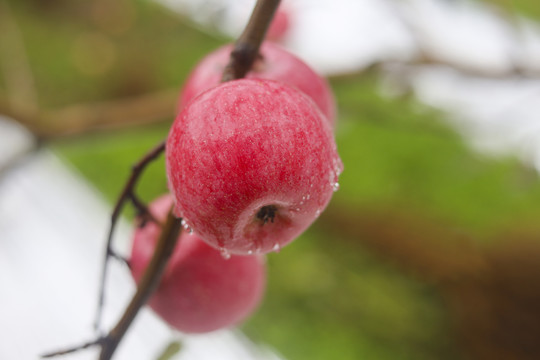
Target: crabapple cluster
{"x":251,"y":163}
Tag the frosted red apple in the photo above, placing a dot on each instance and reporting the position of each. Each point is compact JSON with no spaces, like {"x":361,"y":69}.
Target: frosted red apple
{"x":251,"y":163}
{"x":275,"y":63}
{"x":201,"y":291}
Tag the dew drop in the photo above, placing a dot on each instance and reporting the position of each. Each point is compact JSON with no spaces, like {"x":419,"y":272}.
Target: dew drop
{"x":335,"y":186}
{"x":308,"y":196}
{"x":225,"y":253}
{"x":318,"y":212}
{"x":276,"y":247}
{"x":338,"y":166}
{"x":186,"y":226}
{"x":250,"y":252}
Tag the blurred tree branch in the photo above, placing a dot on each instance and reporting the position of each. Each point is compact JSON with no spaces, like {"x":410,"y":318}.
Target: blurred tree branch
{"x":408,"y":240}
{"x":14,"y":64}
{"x":79,"y":119}
{"x":426,"y":60}
{"x":492,"y":292}
{"x":83,"y":118}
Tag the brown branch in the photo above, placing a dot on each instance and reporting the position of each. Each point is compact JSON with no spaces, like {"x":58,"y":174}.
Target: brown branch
{"x":433,"y":251}
{"x":139,"y":110}
{"x":246,"y":48}
{"x":148,"y":284}
{"x":128,"y":193}
{"x":424,"y":60}
{"x":80,"y":119}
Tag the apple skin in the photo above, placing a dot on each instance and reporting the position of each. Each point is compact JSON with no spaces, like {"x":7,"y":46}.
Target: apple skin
{"x":245,"y":147}
{"x":276,"y":63}
{"x":201,"y":291}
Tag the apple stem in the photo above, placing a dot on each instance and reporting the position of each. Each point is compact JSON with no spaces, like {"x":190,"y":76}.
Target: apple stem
{"x":246,"y":48}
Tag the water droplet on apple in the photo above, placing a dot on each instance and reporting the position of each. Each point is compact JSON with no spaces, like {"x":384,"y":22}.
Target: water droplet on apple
{"x":336,"y":186}
{"x":186,"y":226}
{"x":338,"y":166}
{"x":225,"y":253}
{"x":318,"y":212}
{"x":250,"y":252}
{"x":276,"y":247}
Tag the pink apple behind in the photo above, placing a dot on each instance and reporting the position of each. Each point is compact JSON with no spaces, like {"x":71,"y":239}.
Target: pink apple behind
{"x":280,"y":25}
{"x":276,"y":63}
{"x":201,"y":291}
{"x":251,"y":163}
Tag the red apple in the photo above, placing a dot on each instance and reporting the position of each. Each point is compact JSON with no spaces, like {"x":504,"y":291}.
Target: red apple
{"x":201,"y":290}
{"x":275,"y":63}
{"x":251,"y":163}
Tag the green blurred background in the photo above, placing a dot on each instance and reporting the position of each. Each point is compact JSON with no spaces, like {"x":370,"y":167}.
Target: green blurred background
{"x":428,"y":250}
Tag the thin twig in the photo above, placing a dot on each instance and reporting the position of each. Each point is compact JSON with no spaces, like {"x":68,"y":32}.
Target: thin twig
{"x":148,"y":284}
{"x":73,"y":349}
{"x":127,"y":193}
